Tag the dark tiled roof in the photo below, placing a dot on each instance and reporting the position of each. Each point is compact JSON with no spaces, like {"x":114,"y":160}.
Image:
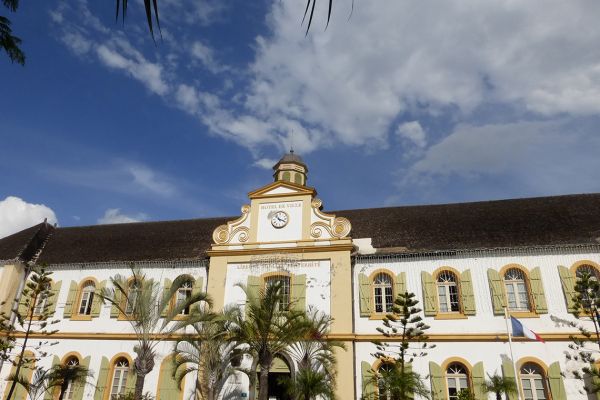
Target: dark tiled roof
{"x":163,"y":240}
{"x":542,"y":221}
{"x":26,"y":244}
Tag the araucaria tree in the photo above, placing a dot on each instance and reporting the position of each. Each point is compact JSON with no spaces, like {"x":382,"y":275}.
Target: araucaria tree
{"x":584,"y":305}
{"x":405,"y":330}
{"x":266,"y":328}
{"x":139,"y":299}
{"x":30,"y":318}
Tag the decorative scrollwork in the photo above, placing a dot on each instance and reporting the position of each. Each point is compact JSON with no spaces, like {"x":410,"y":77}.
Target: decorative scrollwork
{"x":223,"y":234}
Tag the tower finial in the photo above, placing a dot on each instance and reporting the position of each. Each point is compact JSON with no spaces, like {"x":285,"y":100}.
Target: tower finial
{"x":292,"y":143}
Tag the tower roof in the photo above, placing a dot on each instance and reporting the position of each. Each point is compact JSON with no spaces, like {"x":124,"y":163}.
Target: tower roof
{"x":290,"y":158}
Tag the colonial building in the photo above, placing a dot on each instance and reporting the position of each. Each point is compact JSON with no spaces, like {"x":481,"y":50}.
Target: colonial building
{"x":465,"y":263}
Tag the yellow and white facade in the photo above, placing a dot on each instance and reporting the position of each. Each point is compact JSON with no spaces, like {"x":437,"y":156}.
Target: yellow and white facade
{"x":349,"y":264}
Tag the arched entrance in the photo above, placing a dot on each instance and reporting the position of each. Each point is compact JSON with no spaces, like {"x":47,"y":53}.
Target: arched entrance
{"x":279,"y":369}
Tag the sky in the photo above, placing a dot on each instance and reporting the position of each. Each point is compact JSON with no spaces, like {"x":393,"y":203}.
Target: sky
{"x":396,"y":102}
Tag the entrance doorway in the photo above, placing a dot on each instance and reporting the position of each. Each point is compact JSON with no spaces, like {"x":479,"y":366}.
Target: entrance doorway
{"x":279,"y":370}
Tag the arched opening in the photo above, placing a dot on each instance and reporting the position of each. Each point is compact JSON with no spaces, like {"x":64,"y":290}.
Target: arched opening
{"x":86,"y":298}
{"x":517,"y":290}
{"x":383,"y":293}
{"x":533,"y":382}
{"x":447,"y":287}
{"x":457,"y":380}
{"x":280,"y":369}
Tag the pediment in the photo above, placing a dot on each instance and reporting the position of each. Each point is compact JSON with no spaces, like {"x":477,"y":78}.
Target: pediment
{"x":281,"y":188}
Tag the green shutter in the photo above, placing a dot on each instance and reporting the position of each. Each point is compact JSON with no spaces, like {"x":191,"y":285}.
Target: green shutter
{"x":366,"y":300}
{"x":368,"y":386}
{"x":97,"y":302}
{"x":567,"y":280}
{"x":498,"y":297}
{"x":101,"y":385}
{"x":70,"y":300}
{"x":49,"y":394}
{"x":466,"y":293}
{"x":299,"y":292}
{"x":429,"y":294}
{"x":400,"y":284}
{"x":537,"y":291}
{"x":26,"y":373}
{"x":131,"y":378}
{"x":114,"y":310}
{"x":438,"y":386}
{"x":253,"y":286}
{"x":478,"y":377}
{"x":509,"y":373}
{"x":408,"y":369}
{"x":24,"y":304}
{"x":54,"y":291}
{"x":557,"y":385}
{"x":198,"y":286}
{"x":79,"y":387}
{"x":166,"y":290}
{"x":167,"y":386}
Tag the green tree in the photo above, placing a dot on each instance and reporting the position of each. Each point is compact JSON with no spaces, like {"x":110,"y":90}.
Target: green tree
{"x":149,"y":312}
{"x":62,"y":376}
{"x":8,"y":41}
{"x":316,"y":361}
{"x":264,"y":329}
{"x":405,"y":325}
{"x":32,"y":317}
{"x":500,"y":385}
{"x":208,"y":354}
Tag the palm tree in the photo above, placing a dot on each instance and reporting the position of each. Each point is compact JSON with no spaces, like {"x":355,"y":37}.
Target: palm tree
{"x":139,"y":298}
{"x":400,"y":383}
{"x":500,"y":385}
{"x":264,"y":330}
{"x":315,"y":358}
{"x":208,"y":354}
{"x":62,"y":375}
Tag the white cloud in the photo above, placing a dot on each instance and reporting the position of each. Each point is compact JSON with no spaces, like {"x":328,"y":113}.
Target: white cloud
{"x":16,"y":215}
{"x":77,"y":43}
{"x":120,"y":55}
{"x":148,"y":179}
{"x":265,"y":163}
{"x":114,"y":216}
{"x":413,"y":131}
{"x":522,"y":158}
{"x":206,"y":56}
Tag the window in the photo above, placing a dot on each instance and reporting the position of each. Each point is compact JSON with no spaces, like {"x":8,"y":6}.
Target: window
{"x":119,"y":380}
{"x":132,"y":297}
{"x":384,"y":296}
{"x":587,"y":270}
{"x":41,"y":301}
{"x":182,"y":296}
{"x":87,"y":297}
{"x":383,"y":376}
{"x":448,"y":292}
{"x":516,"y":290}
{"x":457,"y":379}
{"x":533,"y":382}
{"x":71,"y":362}
{"x":284,"y":281}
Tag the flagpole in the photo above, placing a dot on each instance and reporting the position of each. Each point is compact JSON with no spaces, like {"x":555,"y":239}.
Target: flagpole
{"x":512,"y":357}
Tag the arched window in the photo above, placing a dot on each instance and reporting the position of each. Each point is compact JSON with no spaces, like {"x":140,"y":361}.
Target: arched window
{"x":72,"y":361}
{"x":448,"y":292}
{"x":383,"y":377}
{"x":587,"y":270}
{"x":119,"y":378}
{"x":533,"y":382}
{"x":284,"y":281}
{"x":41,"y":301}
{"x":384,"y":296}
{"x":86,"y":298}
{"x":183,"y":295}
{"x":457,"y":379}
{"x":132,"y":297}
{"x":516,"y":290}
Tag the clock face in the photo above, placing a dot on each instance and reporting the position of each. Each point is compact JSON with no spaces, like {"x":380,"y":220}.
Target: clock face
{"x":279,"y":219}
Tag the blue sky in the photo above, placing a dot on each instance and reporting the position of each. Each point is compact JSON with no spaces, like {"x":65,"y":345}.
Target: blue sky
{"x":404,"y":102}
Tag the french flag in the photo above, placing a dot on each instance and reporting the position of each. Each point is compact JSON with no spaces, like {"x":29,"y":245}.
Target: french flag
{"x":518,"y":329}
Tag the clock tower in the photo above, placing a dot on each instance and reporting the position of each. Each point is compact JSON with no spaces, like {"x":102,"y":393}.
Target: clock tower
{"x":291,"y":169}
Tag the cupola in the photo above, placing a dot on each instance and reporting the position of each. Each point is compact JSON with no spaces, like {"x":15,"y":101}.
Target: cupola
{"x":291,"y":169}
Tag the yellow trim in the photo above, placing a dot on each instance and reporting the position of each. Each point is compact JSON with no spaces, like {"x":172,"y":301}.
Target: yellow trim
{"x":539,"y":363}
{"x":578,"y":264}
{"x":348,"y":337}
{"x":28,"y":372}
{"x":71,"y":354}
{"x":449,"y":314}
{"x":75,"y":316}
{"x":301,"y":190}
{"x":111,"y":372}
{"x":268,"y":250}
{"x":381,"y":315}
{"x":179,"y":317}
